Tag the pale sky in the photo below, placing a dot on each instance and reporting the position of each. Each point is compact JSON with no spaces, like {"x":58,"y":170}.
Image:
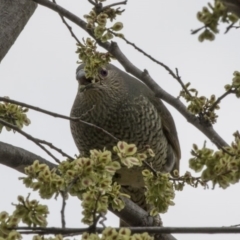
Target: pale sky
{"x":40,"y":70}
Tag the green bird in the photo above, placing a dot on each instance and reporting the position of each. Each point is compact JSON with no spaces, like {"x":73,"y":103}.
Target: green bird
{"x":127,"y":109}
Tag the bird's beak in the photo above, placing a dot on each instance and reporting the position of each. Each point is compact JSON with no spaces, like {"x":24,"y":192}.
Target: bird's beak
{"x":84,"y":83}
{"x":80,"y":74}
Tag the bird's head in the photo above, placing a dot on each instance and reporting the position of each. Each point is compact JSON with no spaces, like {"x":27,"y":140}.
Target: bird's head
{"x":107,"y":78}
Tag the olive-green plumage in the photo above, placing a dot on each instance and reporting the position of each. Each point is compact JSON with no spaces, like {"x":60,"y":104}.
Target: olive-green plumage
{"x":126,"y":108}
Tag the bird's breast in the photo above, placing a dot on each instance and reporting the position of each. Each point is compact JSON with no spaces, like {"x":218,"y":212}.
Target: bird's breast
{"x":134,"y":121}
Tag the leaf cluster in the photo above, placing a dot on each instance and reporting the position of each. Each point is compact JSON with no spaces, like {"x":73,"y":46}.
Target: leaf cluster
{"x":235,"y":86}
{"x":201,"y":106}
{"x":6,"y":222}
{"x":160,"y":191}
{"x":92,"y":58}
{"x":112,"y":234}
{"x":87,"y":50}
{"x":40,"y":178}
{"x":221,"y":167}
{"x":56,"y":237}
{"x":28,"y":211}
{"x":179,"y":182}
{"x":210,"y":16}
{"x":13,"y":114}
{"x":97,"y":21}
{"x":91,"y":180}
{"x":128,"y":154}
{"x":205,"y":108}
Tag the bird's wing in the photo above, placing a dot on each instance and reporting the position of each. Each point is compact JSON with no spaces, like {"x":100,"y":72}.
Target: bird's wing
{"x":169,"y":129}
{"x":134,"y":87}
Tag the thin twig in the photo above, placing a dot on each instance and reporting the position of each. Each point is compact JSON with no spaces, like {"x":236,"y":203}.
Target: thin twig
{"x":99,"y":7}
{"x":103,"y":216}
{"x":63,"y":221}
{"x":96,"y":218}
{"x":150,"y":168}
{"x":221,"y":98}
{"x":170,"y":71}
{"x":230,"y":27}
{"x":68,"y":26}
{"x":181,"y":83}
{"x":114,"y":4}
{"x":227,"y":152}
{"x":237,"y":225}
{"x":92,"y":2}
{"x":36,"y":108}
{"x":64,"y":194}
{"x":37,"y":141}
{"x":197,"y":30}
{"x":53,"y":114}
{"x":55,"y":148}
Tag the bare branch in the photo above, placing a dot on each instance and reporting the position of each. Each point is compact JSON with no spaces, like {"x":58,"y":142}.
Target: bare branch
{"x":221,"y":98}
{"x":14,"y":16}
{"x":181,"y":83}
{"x":63,"y":221}
{"x":99,"y":6}
{"x":114,"y":4}
{"x":151,"y":230}
{"x":197,"y":30}
{"x":36,"y":108}
{"x":231,"y":26}
{"x":92,"y":2}
{"x":18,"y":158}
{"x":37,"y":141}
{"x":53,"y":114}
{"x":68,"y":27}
{"x":170,"y":71}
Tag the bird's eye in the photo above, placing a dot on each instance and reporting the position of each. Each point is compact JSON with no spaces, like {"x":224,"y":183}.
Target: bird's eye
{"x":103,"y":72}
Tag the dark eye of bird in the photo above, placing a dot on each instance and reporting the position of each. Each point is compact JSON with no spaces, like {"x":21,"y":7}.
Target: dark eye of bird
{"x":103,"y":72}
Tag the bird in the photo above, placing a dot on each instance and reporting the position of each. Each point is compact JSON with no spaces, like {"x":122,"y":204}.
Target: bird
{"x":127,"y":109}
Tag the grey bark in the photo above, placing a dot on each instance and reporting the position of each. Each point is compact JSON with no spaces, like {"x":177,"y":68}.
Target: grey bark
{"x":18,"y":158}
{"x":14,"y":15}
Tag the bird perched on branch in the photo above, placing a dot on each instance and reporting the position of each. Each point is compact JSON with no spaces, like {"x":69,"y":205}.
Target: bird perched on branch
{"x":128,"y":110}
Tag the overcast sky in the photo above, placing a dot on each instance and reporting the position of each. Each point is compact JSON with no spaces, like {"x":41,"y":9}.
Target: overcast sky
{"x":40,"y":70}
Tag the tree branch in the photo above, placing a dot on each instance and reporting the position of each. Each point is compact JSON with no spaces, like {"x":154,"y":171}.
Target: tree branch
{"x":14,"y":16}
{"x":37,"y":141}
{"x":18,"y":158}
{"x":68,"y":26}
{"x":53,"y":114}
{"x":221,"y":98}
{"x":152,"y":230}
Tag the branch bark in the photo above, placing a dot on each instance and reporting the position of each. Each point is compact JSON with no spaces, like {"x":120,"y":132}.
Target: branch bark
{"x":14,"y":15}
{"x":18,"y":158}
